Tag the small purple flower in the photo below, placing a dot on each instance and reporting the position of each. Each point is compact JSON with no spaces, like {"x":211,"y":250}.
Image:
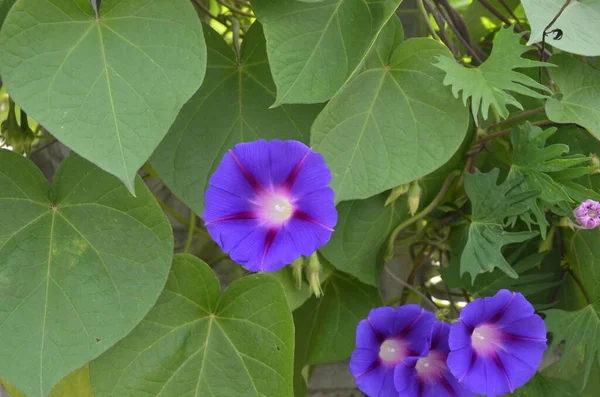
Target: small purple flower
{"x":268,"y":203}
{"x":497,"y":344}
{"x":429,"y":376}
{"x":384,"y":340}
{"x":588,"y":214}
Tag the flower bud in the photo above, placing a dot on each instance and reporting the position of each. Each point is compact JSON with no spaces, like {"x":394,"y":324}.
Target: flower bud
{"x":595,"y":162}
{"x":297,"y":267}
{"x":546,"y":245}
{"x":313,"y":270}
{"x":588,"y":214}
{"x":396,"y":193}
{"x":414,"y":197}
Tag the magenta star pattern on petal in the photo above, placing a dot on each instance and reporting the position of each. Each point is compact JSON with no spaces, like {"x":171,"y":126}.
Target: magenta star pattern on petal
{"x":268,"y":203}
{"x":429,"y":376}
{"x":497,"y":344}
{"x":384,"y":340}
{"x":588,"y":214}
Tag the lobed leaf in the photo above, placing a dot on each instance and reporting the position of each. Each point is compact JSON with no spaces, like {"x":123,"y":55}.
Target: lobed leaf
{"x":489,"y":84}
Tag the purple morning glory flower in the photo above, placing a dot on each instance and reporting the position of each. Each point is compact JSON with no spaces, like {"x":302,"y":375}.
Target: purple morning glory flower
{"x":588,"y":214}
{"x":384,"y":340}
{"x":497,"y":344}
{"x":268,"y":203}
{"x":429,"y":376}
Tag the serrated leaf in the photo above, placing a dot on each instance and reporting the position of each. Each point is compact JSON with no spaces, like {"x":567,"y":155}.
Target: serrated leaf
{"x":580,"y":88}
{"x":326,"y":326}
{"x":76,"y":384}
{"x":81,"y":263}
{"x":490,"y":83}
{"x":581,"y":329}
{"x":234,"y":101}
{"x":543,"y":168}
{"x":390,"y":125}
{"x":491,"y":204}
{"x":107,"y":88}
{"x":544,"y":386}
{"x":363,"y":226}
{"x":314,"y":47}
{"x":197,"y":342}
{"x":579,"y":23}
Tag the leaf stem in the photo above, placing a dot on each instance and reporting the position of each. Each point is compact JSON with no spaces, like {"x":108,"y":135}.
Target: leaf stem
{"x":420,"y":215}
{"x":179,"y":217}
{"x":190,"y":236}
{"x":518,"y":117}
{"x":427,"y":21}
{"x":235,"y":10}
{"x":434,"y":308}
{"x":207,"y":12}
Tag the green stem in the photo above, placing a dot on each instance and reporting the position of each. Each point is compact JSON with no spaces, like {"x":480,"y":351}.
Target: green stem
{"x":434,"y":308}
{"x":178,"y":216}
{"x":420,"y":215}
{"x":190,"y":236}
{"x":518,"y":117}
{"x":427,"y":20}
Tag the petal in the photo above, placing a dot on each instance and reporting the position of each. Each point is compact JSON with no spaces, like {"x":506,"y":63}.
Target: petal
{"x":418,"y":334}
{"x":531,"y":327}
{"x":286,"y":159}
{"x":320,"y":207}
{"x":474,"y":378}
{"x":405,"y":380}
{"x":254,"y":161}
{"x":362,"y":361}
{"x":366,"y":337}
{"x":497,"y":380}
{"x":310,"y":232}
{"x":439,"y":337}
{"x":229,"y":234}
{"x":229,"y":177}
{"x":482,"y":310}
{"x":264,"y":250}
{"x":517,"y":369}
{"x":516,"y":309}
{"x":378,"y":383}
{"x":461,"y":361}
{"x":219,"y":203}
{"x":312,"y":175}
{"x":390,"y":322}
{"x":459,"y":337}
{"x":580,"y":211}
{"x":589,"y":204}
{"x":447,"y":386}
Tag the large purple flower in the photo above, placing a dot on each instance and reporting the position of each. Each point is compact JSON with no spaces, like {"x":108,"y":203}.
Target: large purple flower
{"x":588,"y":214}
{"x":497,"y":344}
{"x":383,"y":341}
{"x":429,"y":376}
{"x":268,"y":203}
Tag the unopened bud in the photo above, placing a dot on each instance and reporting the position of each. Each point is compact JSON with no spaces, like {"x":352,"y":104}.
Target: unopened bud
{"x":595,"y":160}
{"x":396,"y":193}
{"x":414,"y":197}
{"x":313,"y":270}
{"x":297,"y":267}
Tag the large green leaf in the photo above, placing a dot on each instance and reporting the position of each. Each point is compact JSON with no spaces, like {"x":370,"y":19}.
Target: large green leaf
{"x":363,"y":226}
{"x":543,"y":168}
{"x":81,"y":263}
{"x":491,"y":204}
{"x":314,"y":47}
{"x":581,"y":328}
{"x":580,"y":89}
{"x":487,"y":85}
{"x":195,"y":342}
{"x":579,"y":23}
{"x":107,"y":88}
{"x":76,"y":384}
{"x":326,"y":326}
{"x":390,"y":124}
{"x":232,"y":106}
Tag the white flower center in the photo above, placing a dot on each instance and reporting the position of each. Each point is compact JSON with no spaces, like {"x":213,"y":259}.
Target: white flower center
{"x":485,"y":338}
{"x":278,"y":209}
{"x":391,"y":351}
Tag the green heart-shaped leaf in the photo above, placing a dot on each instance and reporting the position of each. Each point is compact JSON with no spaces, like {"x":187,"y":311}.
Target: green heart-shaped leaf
{"x":81,"y":263}
{"x":232,"y":106}
{"x":195,"y":342}
{"x":108,"y":88}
